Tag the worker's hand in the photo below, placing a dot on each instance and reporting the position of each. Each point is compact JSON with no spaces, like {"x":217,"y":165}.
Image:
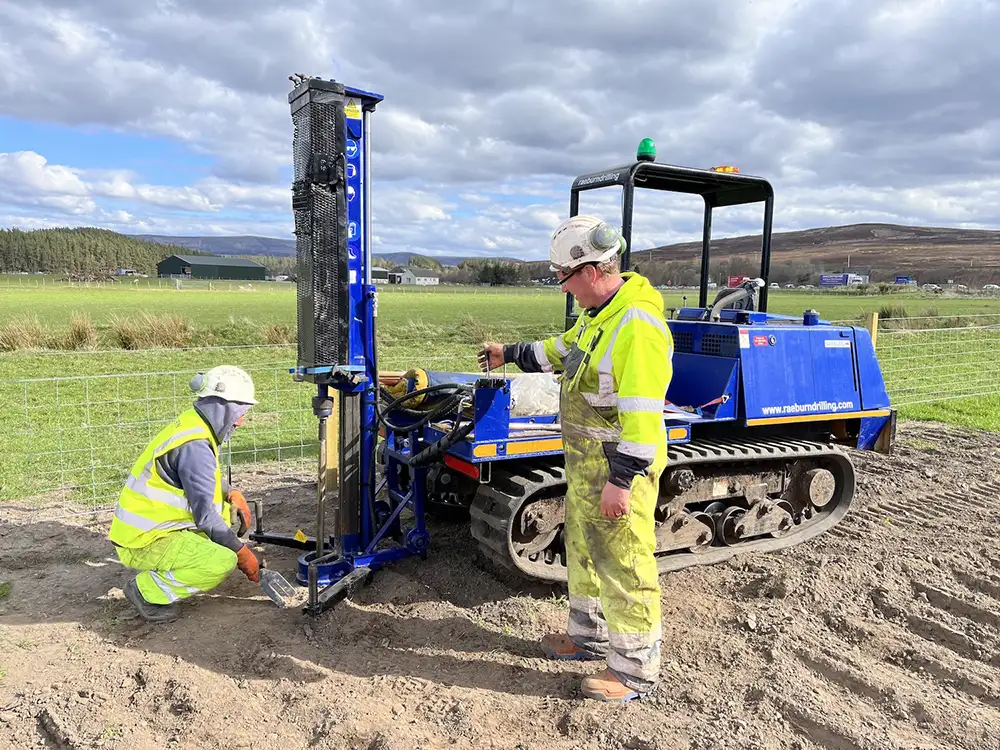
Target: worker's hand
{"x":246,"y":561}
{"x":491,"y":357}
{"x":614,"y":502}
{"x":241,"y":512}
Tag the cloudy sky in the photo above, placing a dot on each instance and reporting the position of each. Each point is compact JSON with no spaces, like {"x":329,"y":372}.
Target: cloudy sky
{"x":171,"y":116}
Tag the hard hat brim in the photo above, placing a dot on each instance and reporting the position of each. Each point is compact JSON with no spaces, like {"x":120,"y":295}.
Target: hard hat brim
{"x":247,"y":401}
{"x":606,"y":255}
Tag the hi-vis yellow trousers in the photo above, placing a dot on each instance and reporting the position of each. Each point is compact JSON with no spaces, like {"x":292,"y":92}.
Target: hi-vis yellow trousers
{"x":178,"y":565}
{"x":614,"y":587}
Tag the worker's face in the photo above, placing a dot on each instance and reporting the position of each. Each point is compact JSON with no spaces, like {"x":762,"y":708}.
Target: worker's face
{"x":580,"y":283}
{"x":245,"y":409}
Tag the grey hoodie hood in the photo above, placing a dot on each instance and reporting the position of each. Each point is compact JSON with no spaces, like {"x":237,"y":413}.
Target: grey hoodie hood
{"x":221,"y":415}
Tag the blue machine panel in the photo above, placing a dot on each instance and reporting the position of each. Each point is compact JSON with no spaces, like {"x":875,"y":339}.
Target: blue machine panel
{"x":871,"y":430}
{"x":708,"y":384}
{"x":873,"y":393}
{"x":797,"y":372}
{"x":492,"y":413}
{"x":357,"y":109}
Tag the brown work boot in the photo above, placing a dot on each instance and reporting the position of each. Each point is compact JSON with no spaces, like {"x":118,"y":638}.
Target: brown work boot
{"x":604,"y":686}
{"x":148,"y":611}
{"x":560,"y":646}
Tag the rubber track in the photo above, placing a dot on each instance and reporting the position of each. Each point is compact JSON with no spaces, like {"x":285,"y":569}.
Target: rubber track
{"x":493,"y":510}
{"x":496,"y":504}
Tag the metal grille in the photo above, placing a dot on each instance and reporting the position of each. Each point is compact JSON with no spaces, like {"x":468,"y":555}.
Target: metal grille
{"x":319,"y":209}
{"x":683,"y":341}
{"x":720,"y":344}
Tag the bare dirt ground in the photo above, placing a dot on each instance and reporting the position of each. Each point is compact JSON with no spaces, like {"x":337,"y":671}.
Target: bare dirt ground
{"x":884,"y":633}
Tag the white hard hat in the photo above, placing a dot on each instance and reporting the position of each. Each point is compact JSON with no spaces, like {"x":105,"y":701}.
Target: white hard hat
{"x":225,"y":381}
{"x":583,"y":239}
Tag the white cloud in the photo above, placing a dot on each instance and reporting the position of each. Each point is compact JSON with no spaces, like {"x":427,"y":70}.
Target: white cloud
{"x":28,"y":179}
{"x":856,"y":111}
{"x":31,"y":171}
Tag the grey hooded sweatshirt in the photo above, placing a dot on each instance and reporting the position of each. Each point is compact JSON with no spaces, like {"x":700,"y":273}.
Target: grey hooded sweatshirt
{"x":191,"y":468}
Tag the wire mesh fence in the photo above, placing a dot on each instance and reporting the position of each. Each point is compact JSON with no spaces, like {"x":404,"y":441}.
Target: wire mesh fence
{"x":931,"y":359}
{"x":142,"y":284}
{"x":74,"y":438}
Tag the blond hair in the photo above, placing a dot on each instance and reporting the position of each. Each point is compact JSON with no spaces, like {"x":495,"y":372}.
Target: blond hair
{"x":610,"y":266}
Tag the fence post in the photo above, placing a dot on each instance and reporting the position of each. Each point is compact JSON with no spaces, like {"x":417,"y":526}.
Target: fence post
{"x":871,"y":323}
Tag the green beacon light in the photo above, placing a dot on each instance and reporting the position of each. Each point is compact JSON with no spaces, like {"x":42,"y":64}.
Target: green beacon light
{"x":646,"y":150}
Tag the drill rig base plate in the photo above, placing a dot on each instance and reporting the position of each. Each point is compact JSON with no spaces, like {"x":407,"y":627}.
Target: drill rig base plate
{"x":329,"y":596}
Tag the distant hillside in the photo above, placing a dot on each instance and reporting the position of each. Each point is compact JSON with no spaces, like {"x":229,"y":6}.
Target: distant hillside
{"x":232,"y":245}
{"x":252,"y":245}
{"x":91,"y":252}
{"x":403,"y":258}
{"x":886,"y":249}
{"x":933,"y":254}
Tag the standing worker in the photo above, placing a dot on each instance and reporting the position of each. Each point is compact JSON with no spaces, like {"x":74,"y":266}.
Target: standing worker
{"x":615,"y":364}
{"x":175,"y":514}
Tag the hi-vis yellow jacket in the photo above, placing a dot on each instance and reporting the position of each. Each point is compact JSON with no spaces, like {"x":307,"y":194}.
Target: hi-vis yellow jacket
{"x":619,"y":360}
{"x":149,"y":508}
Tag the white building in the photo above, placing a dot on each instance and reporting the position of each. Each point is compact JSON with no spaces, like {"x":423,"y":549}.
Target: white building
{"x":380,"y":275}
{"x":417,"y":276}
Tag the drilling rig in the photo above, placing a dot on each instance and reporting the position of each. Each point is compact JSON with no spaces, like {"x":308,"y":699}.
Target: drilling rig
{"x":757,"y":414}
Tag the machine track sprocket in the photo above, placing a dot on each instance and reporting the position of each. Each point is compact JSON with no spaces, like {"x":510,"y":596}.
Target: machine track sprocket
{"x":508,"y":539}
{"x":719,"y":498}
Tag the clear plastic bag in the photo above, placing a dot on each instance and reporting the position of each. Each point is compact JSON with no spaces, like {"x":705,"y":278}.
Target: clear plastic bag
{"x":534,"y":394}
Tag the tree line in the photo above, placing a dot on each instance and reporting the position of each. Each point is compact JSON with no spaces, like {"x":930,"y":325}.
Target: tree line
{"x":96,"y":253}
{"x":79,"y":251}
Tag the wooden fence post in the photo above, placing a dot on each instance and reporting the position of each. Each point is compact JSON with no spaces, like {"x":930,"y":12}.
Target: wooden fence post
{"x":871,"y":323}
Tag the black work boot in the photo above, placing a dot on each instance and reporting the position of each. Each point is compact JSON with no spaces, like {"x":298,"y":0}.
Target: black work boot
{"x":149,"y":612}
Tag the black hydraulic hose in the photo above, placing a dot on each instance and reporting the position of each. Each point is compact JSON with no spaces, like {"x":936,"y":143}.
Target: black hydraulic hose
{"x":408,"y":413}
{"x":421,"y":418}
{"x":436,"y":450}
{"x":457,"y":392}
{"x":458,"y":396}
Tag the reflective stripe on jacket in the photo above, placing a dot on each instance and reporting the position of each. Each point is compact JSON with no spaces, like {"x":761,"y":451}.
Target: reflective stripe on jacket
{"x":150,"y":508}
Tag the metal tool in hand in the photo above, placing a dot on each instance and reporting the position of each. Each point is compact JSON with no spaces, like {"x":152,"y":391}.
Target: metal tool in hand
{"x":485,"y":361}
{"x":277,"y":588}
{"x":271,"y":582}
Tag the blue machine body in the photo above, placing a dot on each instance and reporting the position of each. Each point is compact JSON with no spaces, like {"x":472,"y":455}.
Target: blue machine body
{"x":751,"y":370}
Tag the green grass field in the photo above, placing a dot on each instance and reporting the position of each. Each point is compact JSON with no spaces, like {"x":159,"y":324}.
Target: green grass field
{"x":70,"y":421}
{"x":274,"y":303}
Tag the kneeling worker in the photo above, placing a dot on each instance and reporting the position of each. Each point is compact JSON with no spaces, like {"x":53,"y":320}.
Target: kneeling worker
{"x":615,"y":365}
{"x":174,"y":515}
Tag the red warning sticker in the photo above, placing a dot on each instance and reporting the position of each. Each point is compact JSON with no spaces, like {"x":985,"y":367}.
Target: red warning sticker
{"x":760,"y":340}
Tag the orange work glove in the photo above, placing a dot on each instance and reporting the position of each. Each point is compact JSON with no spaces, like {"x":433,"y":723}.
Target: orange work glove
{"x":242,"y":510}
{"x":246,"y":561}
